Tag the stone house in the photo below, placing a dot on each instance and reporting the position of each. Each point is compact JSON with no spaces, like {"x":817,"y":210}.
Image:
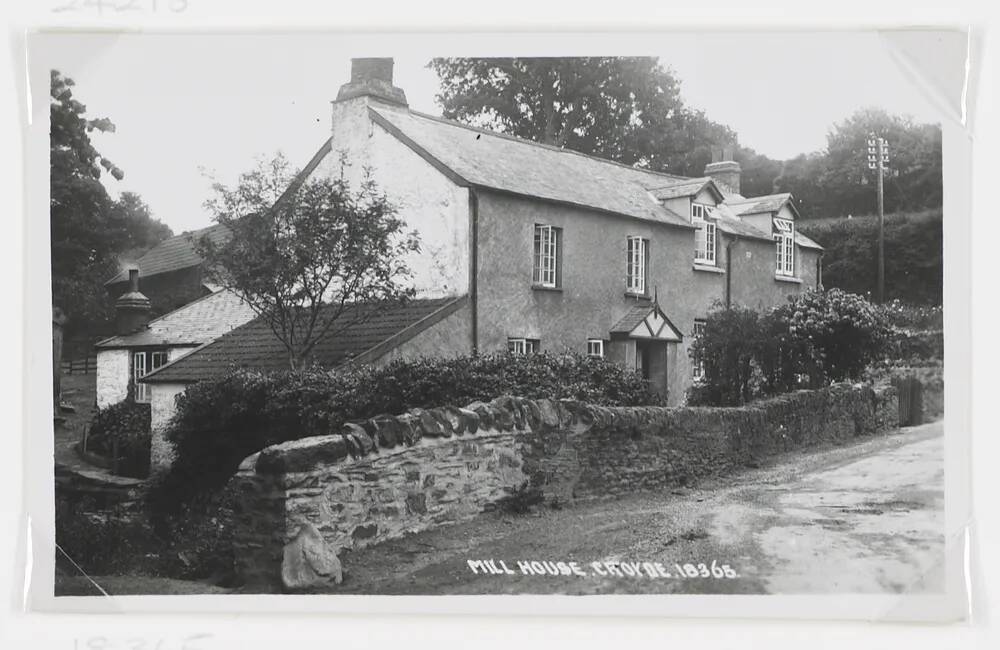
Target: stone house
{"x":538,"y":248}
{"x":143,"y":345}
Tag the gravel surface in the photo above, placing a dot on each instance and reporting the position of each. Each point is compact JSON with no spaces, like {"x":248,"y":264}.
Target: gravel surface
{"x":863,"y":518}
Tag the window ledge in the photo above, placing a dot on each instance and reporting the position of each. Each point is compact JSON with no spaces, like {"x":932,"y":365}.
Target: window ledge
{"x":639,"y":296}
{"x":707,"y":268}
{"x":787,"y":278}
{"x":542,"y":287}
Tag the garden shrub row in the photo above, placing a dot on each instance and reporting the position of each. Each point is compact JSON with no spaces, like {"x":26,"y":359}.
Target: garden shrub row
{"x":220,"y":422}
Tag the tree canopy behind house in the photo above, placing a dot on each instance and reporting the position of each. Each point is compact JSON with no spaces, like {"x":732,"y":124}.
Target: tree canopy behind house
{"x":836,"y":182}
{"x":626,"y":109}
{"x":631,"y":110}
{"x":89,"y":230}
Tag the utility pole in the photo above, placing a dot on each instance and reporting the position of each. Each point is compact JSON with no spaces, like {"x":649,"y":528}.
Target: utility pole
{"x":878,"y":159}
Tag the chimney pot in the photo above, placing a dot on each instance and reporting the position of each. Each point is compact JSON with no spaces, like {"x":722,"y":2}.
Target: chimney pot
{"x":372,"y":77}
{"x":726,"y":174}
{"x":132,"y":309}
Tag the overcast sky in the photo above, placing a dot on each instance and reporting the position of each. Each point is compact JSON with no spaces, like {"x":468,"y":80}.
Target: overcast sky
{"x":185,"y":105}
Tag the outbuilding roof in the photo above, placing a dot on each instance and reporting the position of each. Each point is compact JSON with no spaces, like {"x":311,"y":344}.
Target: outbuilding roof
{"x":193,"y":324}
{"x":361,"y":328}
{"x":180,"y":251}
{"x":176,"y":253}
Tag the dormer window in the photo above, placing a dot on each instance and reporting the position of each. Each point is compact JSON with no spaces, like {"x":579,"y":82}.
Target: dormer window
{"x":705,"y":237}
{"x":784,"y":247}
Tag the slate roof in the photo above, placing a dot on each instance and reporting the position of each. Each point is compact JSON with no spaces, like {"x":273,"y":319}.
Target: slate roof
{"x":173,"y":254}
{"x":478,"y":157}
{"x":759,"y":204}
{"x":690,"y":187}
{"x":632,"y":318}
{"x":195,"y":323}
{"x":254,"y":345}
{"x":805,"y":242}
{"x":739,"y":228}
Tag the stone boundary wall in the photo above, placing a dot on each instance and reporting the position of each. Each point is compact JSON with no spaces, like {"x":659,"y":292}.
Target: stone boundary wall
{"x":304,"y":502}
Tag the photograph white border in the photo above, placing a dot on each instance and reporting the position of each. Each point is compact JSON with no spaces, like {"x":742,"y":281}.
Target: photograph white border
{"x":38,"y":416}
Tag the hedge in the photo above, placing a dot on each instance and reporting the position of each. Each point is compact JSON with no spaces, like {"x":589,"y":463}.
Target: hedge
{"x":913,"y":254}
{"x":127,"y":424}
{"x":220,"y":422}
{"x":816,"y":338}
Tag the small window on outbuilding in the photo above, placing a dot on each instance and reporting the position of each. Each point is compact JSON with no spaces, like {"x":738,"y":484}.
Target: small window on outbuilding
{"x":143,"y":363}
{"x":595,"y":347}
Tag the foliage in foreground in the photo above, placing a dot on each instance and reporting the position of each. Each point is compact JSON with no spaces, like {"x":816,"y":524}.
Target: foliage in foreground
{"x":123,"y":428}
{"x":194,"y":544}
{"x":815,"y":339}
{"x":218,"y":423}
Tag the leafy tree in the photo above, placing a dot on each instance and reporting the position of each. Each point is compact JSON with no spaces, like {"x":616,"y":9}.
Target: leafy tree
{"x":90,"y":231}
{"x":84,"y":240}
{"x":142,"y":230}
{"x":304,"y":255}
{"x":837,"y":181}
{"x":626,"y":109}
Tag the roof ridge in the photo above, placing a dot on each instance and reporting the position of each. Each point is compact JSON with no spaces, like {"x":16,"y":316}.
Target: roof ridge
{"x":256,"y":320}
{"x":551,"y":147}
{"x":762,"y":197}
{"x":196,"y":301}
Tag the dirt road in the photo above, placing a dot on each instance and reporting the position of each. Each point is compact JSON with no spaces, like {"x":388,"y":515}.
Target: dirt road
{"x":867,"y":518}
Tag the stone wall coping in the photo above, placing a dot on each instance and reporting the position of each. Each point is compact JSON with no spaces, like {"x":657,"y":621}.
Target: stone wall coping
{"x":504,"y":414}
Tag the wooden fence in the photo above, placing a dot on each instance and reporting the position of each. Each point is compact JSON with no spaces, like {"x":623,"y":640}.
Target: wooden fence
{"x":83,"y":366}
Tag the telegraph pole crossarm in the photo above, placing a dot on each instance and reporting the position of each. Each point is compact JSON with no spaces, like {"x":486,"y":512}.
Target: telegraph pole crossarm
{"x":878,"y":158}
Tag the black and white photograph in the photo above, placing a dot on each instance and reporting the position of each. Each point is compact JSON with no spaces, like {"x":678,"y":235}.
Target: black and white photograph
{"x":337,"y":317}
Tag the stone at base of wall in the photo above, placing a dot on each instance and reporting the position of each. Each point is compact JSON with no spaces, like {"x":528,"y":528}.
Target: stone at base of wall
{"x":392,"y":475}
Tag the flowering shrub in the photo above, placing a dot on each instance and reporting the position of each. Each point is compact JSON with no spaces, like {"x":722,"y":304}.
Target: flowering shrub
{"x":220,"y":422}
{"x":817,"y":338}
{"x":843,"y":331}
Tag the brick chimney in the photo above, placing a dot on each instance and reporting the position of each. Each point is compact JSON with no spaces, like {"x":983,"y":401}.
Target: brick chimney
{"x":724,"y":170}
{"x":372,"y":77}
{"x":132,"y":309}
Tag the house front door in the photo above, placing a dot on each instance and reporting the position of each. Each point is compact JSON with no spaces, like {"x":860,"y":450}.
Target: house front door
{"x":651,"y":363}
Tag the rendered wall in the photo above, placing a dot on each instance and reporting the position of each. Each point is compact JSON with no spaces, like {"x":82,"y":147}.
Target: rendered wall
{"x":391,"y":475}
{"x":112,"y":376}
{"x":592,"y":297}
{"x":161,"y":408}
{"x":430,"y":203}
{"x":449,"y":337}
